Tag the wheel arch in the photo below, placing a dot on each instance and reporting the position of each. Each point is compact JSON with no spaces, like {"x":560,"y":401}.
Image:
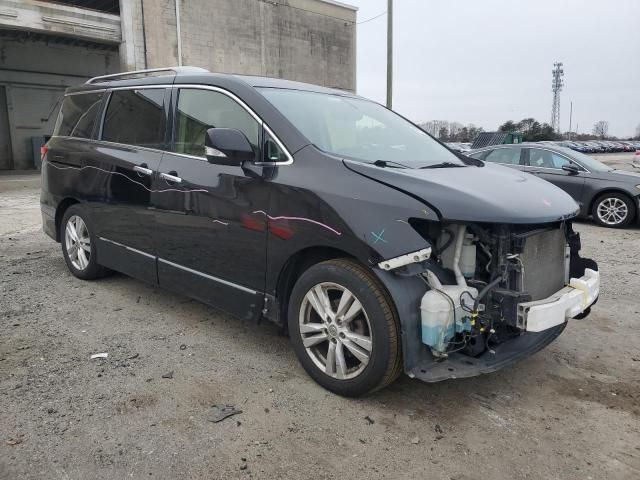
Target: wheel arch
{"x":609,"y":190}
{"x":297,"y":264}
{"x":62,"y":207}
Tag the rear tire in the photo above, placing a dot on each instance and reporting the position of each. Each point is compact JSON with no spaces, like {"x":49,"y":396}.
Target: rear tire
{"x":79,"y":247}
{"x":355,"y":349}
{"x":613,"y":210}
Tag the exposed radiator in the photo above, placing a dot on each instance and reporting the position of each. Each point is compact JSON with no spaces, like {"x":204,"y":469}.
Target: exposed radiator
{"x":544,"y":263}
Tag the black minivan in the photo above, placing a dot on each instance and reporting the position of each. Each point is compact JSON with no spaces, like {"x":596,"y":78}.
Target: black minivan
{"x":375,"y":247}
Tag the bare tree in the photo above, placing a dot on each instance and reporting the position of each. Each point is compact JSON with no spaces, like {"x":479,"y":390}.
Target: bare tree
{"x":437,"y":128}
{"x":454,"y":128}
{"x":638,"y":131}
{"x":601,"y":128}
{"x":429,"y":127}
{"x":443,"y":134}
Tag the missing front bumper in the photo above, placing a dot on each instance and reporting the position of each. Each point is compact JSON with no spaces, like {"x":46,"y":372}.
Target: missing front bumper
{"x":567,"y":303}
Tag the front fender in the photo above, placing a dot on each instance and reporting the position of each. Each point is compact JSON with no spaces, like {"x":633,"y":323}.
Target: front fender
{"x":318,"y":202}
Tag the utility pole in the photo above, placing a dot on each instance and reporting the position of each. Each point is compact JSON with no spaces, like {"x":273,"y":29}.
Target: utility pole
{"x":570,"y":118}
{"x":178,"y":34}
{"x":556,"y":86}
{"x":390,"y":54}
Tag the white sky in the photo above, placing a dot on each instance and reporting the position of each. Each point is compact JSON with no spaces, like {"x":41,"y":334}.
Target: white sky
{"x":488,"y":61}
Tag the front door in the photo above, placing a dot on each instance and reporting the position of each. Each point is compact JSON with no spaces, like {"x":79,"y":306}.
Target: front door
{"x":124,"y":163}
{"x":210,"y":235}
{"x":547,"y":165}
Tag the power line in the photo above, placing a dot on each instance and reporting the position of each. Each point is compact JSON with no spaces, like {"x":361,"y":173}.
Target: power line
{"x":276,"y":3}
{"x":372,"y":18}
{"x":389,"y":54}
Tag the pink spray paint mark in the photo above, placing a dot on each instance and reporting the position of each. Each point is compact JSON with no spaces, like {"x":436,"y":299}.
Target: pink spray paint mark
{"x":300,"y":219}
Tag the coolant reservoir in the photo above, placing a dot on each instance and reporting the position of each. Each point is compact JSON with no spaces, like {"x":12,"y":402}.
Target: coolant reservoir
{"x":442,"y":316}
{"x":468,"y":257}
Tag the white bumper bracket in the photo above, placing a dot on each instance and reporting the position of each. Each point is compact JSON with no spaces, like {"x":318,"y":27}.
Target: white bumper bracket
{"x":572,"y":300}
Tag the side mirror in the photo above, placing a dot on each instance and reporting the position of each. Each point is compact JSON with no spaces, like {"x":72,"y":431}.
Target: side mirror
{"x":227,"y":146}
{"x":571,"y":168}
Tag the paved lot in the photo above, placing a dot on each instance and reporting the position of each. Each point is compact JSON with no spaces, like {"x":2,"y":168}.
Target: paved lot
{"x":621,"y":161}
{"x":570,"y":412}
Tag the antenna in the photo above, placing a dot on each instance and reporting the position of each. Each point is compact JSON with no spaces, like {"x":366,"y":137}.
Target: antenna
{"x":556,"y":87}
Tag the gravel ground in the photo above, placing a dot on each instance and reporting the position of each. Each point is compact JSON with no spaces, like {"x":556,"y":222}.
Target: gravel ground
{"x":571,"y":411}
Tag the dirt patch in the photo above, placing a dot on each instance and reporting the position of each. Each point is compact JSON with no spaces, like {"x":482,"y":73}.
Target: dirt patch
{"x":65,"y":415}
{"x":616,"y":395}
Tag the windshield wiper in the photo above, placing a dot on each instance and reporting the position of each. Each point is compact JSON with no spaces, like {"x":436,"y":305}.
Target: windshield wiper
{"x":443,"y":165}
{"x":389,"y":163}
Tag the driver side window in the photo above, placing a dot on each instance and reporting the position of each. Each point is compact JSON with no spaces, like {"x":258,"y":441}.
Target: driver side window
{"x":559,"y":161}
{"x":506,"y":156}
{"x":547,"y":159}
{"x":199,"y":110}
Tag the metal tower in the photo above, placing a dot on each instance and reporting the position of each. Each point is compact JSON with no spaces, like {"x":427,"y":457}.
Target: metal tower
{"x":556,"y":86}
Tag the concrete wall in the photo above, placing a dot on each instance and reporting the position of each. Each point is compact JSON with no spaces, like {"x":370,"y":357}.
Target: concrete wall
{"x":58,"y":19}
{"x":47,"y":46}
{"x":133,"y":45}
{"x":306,"y":40}
{"x":34,"y":74}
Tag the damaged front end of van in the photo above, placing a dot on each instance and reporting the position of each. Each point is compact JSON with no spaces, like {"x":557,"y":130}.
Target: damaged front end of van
{"x":499,"y":277}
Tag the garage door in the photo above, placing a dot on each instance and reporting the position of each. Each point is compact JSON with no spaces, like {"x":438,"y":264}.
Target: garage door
{"x":6,"y":161}
{"x":33,"y":113}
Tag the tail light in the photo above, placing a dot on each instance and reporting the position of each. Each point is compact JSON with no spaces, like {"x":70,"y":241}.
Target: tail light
{"x":43,"y":151}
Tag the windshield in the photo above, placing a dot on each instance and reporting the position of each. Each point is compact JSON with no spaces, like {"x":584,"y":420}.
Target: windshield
{"x":590,"y":163}
{"x":359,"y":129}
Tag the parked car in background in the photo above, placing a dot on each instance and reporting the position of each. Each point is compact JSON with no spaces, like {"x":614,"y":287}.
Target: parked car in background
{"x":611,"y":197}
{"x":459,"y":146}
{"x":628,"y":146}
{"x":375,"y":247}
{"x":578,"y":147}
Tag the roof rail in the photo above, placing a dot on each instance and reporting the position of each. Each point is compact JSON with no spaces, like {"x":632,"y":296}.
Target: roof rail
{"x":143,"y":73}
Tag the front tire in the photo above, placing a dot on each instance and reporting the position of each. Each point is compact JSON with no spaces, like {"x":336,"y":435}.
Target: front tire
{"x":344,"y":328}
{"x":613,"y":210}
{"x":79,"y":245}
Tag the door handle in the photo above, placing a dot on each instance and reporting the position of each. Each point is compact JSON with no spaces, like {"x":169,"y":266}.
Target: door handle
{"x":142,"y":169}
{"x":170,"y":178}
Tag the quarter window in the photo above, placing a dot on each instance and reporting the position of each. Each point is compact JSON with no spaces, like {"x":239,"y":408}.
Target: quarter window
{"x":135,"y":117}
{"x":199,"y":110}
{"x":508,"y":156}
{"x":272,"y":152}
{"x":78,"y":115}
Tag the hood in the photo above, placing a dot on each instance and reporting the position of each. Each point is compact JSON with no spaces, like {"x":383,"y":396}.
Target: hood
{"x":491,"y":193}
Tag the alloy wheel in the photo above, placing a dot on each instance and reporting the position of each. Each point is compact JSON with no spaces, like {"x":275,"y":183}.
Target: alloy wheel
{"x":77,"y":242}
{"x":612,"y":211}
{"x":335,"y":331}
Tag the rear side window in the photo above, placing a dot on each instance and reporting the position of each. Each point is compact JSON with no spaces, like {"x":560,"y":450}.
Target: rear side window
{"x":135,"y":117}
{"x":200,"y":110}
{"x":78,"y":115}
